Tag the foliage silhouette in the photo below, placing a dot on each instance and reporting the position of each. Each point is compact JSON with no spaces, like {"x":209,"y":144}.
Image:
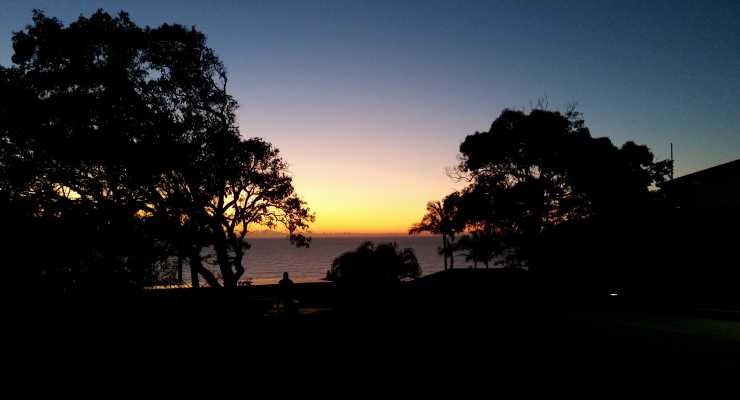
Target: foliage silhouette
{"x":442,"y":218}
{"x":374,"y":265}
{"x":479,"y":246}
{"x":121,"y":143}
{"x":544,"y":194}
{"x":532,"y":172}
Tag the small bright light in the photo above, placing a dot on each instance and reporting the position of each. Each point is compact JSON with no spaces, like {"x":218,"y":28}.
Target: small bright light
{"x":613,"y":294}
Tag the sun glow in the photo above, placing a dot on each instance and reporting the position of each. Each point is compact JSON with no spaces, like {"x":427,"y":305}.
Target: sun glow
{"x":371,"y":204}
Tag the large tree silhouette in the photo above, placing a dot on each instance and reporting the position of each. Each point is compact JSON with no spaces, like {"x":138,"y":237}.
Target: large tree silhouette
{"x":257,"y":191}
{"x":532,"y":172}
{"x":125,"y":138}
{"x":78,"y":138}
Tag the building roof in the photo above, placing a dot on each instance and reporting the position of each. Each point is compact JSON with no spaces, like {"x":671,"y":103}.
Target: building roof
{"x":717,"y":187}
{"x":717,"y":174}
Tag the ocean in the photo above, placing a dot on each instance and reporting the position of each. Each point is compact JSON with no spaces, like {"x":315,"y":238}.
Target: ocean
{"x":268,"y":258}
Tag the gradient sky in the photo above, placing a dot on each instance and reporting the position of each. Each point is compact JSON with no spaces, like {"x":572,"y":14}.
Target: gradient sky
{"x":369,"y":100}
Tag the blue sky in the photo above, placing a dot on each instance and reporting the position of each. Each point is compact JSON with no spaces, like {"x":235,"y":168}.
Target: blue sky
{"x":362,"y":93}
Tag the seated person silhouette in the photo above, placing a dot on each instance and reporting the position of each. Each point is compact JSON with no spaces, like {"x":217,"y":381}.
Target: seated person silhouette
{"x":285,"y":295}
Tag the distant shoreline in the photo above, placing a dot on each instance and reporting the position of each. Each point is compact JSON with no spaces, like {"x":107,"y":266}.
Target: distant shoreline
{"x":334,"y":235}
{"x":268,"y":258}
{"x":254,"y":282}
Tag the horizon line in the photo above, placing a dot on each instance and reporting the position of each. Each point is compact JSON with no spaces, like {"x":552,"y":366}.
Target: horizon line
{"x":274,"y":234}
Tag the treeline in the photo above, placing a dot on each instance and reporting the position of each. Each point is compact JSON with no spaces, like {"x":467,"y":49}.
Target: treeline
{"x":120,"y":150}
{"x":546,"y":195}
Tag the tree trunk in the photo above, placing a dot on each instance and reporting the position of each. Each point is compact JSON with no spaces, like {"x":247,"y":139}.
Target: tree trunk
{"x":194,"y":272}
{"x":179,"y":268}
{"x":451,"y":250}
{"x":444,"y":249}
{"x":238,"y":257}
{"x":222,"y":257}
{"x":224,"y":265}
{"x":197,"y":268}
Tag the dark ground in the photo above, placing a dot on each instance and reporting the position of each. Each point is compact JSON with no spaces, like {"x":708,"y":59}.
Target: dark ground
{"x":462,"y":325}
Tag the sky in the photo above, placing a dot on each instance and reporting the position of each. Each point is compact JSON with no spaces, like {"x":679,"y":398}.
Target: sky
{"x":368,"y":101}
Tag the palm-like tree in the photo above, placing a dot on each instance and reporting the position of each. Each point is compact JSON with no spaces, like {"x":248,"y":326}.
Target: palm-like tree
{"x":479,"y":246}
{"x":441,"y":219}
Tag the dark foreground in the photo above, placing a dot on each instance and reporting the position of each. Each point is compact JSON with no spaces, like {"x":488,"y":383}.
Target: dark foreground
{"x":464,"y":324}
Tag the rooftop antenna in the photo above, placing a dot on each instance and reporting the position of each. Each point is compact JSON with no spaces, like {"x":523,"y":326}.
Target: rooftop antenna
{"x":672,"y":167}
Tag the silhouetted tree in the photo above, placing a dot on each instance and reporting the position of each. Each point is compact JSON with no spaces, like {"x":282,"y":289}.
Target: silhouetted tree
{"x":442,"y":218}
{"x":258,"y":191}
{"x":531,"y":172}
{"x":123,"y":141}
{"x":374,"y":264}
{"x":75,"y":129}
{"x":229,"y":183}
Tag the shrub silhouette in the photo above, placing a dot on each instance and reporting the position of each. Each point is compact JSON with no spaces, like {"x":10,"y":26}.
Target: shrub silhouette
{"x":372,"y":264}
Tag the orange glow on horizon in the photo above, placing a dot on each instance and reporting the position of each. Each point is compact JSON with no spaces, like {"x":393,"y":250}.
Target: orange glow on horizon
{"x":369,"y":172}
{"x":376,"y":200}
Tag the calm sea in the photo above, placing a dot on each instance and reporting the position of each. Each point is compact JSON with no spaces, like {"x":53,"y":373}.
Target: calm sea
{"x":268,"y":258}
